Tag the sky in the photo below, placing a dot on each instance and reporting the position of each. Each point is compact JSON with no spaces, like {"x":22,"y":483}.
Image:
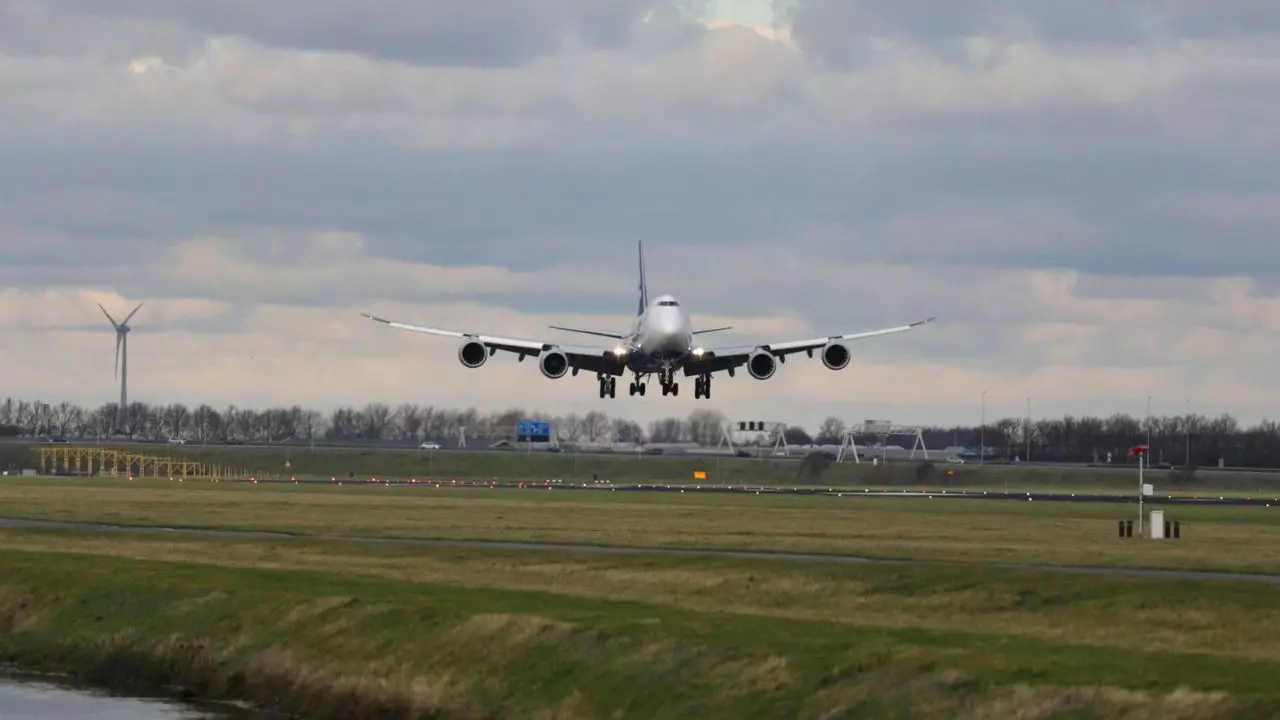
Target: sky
{"x":1083,"y":192}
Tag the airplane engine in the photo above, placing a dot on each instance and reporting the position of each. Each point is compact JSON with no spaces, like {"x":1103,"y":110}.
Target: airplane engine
{"x":762,"y":365}
{"x":473,"y":353}
{"x":835,"y":356}
{"x":554,"y":364}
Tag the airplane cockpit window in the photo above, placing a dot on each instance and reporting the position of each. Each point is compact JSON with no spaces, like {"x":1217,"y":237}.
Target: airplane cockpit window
{"x":668,"y":303}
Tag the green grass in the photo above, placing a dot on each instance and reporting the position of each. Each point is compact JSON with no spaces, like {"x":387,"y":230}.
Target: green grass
{"x":1214,"y":538}
{"x":334,"y":630}
{"x":538,"y":466}
{"x":331,"y":628}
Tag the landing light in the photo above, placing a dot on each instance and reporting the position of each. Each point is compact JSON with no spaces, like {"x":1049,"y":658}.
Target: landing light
{"x":619,"y":351}
{"x":698,"y":351}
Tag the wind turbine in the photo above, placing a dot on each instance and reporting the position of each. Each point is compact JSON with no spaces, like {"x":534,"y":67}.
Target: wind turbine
{"x":122,"y":354}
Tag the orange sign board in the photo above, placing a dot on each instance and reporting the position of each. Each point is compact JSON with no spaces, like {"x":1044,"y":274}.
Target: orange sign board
{"x":699,"y":475}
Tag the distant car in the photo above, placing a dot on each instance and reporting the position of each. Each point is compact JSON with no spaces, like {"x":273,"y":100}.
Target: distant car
{"x":429,"y":446}
{"x":956,"y":460}
{"x":177,"y":441}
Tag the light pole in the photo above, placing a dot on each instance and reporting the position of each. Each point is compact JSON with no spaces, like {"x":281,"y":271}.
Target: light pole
{"x":982,"y":432}
{"x":1142,"y":488}
{"x":1187,"y":429}
{"x":1148,"y":423}
{"x":1026,"y":430}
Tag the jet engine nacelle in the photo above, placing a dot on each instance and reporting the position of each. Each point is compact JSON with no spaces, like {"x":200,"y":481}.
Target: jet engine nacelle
{"x":762,"y":364}
{"x":554,"y":364}
{"x":835,"y":356}
{"x":473,"y":353}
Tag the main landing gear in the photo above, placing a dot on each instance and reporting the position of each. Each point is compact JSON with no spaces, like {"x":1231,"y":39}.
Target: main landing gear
{"x":702,"y":387}
{"x":608,"y":386}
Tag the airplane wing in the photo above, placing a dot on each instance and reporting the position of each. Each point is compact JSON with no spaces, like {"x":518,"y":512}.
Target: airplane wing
{"x":712,"y":360}
{"x":591,"y":359}
{"x":597,"y":333}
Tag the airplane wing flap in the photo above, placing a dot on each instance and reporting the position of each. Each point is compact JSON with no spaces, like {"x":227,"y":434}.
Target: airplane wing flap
{"x":502,"y":343}
{"x":581,"y":357}
{"x":786,"y":348}
{"x":717,"y":363}
{"x":716,"y":359}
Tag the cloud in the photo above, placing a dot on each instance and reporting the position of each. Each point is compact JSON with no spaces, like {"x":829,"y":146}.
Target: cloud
{"x":1083,"y":194}
{"x":841,"y":32}
{"x":487,"y":33}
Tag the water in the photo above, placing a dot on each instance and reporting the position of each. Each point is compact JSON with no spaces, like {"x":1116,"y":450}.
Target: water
{"x":25,"y":698}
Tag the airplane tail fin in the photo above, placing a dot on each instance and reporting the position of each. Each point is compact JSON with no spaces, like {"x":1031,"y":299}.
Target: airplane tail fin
{"x":644,"y":286}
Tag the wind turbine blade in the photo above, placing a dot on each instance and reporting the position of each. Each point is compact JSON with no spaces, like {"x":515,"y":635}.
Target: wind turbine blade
{"x":135,"y":311}
{"x":119,"y":337}
{"x":104,"y":312}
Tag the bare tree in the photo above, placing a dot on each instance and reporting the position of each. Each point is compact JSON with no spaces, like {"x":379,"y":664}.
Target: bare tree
{"x":706,"y":426}
{"x":627,"y":431}
{"x":408,"y":422}
{"x":831,"y":432}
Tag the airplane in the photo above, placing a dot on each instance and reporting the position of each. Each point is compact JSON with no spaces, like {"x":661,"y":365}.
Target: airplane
{"x":660,"y":342}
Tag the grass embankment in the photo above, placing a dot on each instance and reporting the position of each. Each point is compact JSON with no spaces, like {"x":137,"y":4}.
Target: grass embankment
{"x":1222,"y":538}
{"x":331,"y":630}
{"x":538,"y":466}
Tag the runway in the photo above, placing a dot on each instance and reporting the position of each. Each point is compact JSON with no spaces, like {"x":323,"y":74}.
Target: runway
{"x":827,"y":491}
{"x":1181,"y":575}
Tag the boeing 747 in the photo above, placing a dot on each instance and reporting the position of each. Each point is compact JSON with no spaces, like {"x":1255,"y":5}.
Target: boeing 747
{"x":660,"y":343}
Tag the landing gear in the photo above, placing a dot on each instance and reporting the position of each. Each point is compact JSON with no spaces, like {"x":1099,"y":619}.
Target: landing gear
{"x":668,"y":380}
{"x":608,"y":386}
{"x":637,"y":387}
{"x":702,"y":387}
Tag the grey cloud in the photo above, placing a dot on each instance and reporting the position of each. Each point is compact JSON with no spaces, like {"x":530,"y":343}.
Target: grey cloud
{"x":839,"y":32}
{"x":934,"y":204}
{"x":43,"y":28}
{"x":481,"y":33}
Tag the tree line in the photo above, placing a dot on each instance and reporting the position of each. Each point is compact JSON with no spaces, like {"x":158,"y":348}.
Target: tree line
{"x":1179,"y":440}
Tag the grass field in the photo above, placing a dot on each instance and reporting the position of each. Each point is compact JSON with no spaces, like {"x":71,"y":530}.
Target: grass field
{"x":1245,"y":539}
{"x":328,"y":628}
{"x":514,"y":465}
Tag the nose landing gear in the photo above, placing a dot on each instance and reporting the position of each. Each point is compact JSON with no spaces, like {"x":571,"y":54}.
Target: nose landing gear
{"x":702,"y":387}
{"x":668,"y":380}
{"x":608,"y":386}
{"x":637,"y":387}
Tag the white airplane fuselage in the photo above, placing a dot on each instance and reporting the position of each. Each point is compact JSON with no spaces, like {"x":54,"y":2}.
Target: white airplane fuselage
{"x":660,"y":339}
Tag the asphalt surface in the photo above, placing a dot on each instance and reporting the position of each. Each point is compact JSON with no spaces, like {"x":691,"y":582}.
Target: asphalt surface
{"x":20,"y":523}
{"x":839,"y":492}
{"x":937,"y":455}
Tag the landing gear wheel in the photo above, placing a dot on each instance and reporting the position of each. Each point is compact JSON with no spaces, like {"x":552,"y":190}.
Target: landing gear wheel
{"x":642,"y":387}
{"x":613,"y":387}
{"x":675,"y":389}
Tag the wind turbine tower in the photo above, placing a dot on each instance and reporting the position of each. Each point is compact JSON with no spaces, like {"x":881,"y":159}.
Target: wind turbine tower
{"x":122,"y":354}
